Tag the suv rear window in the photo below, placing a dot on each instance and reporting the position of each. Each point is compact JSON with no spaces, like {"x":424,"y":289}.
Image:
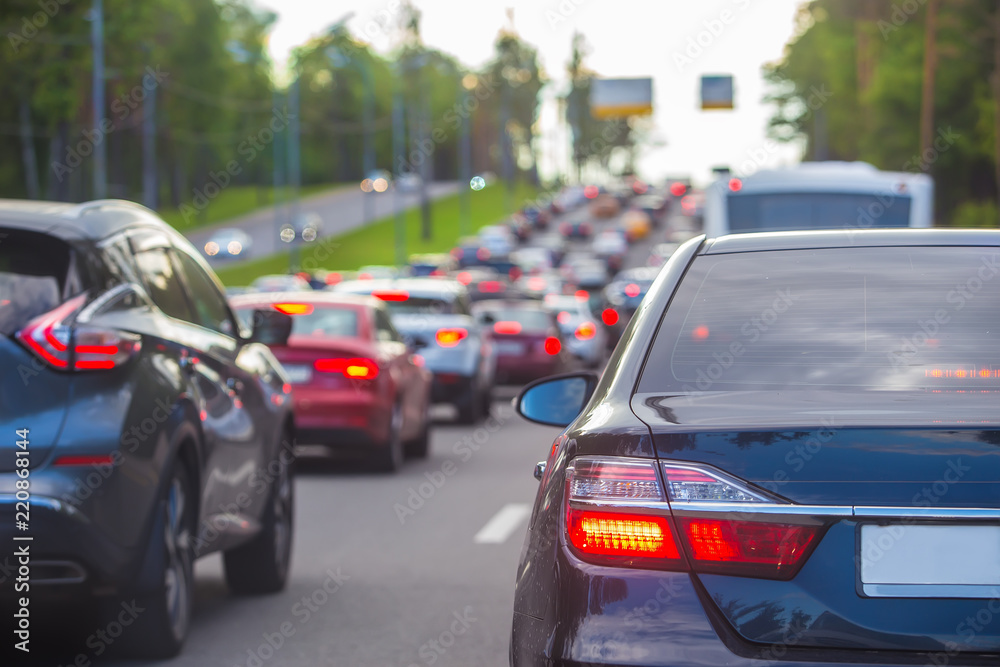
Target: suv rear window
{"x":36,"y":275}
{"x":815,"y":210}
{"x":872,"y":318}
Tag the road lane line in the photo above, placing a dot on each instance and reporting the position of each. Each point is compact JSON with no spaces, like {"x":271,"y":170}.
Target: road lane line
{"x":503,"y":523}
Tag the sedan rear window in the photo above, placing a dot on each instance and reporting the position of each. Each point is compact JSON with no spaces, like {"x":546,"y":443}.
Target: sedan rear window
{"x":872,"y":318}
{"x":530,"y":320}
{"x":35,"y":276}
{"x":318,"y":321}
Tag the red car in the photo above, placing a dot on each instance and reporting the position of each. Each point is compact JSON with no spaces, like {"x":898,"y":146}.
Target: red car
{"x":355,"y":383}
{"x":526,"y":338}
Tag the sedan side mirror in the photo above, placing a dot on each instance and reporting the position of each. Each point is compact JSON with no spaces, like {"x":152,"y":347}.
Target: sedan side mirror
{"x":556,"y":400}
{"x":271,"y":327}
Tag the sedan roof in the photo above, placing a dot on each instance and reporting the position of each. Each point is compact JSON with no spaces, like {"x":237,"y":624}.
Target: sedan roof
{"x":850,"y":238}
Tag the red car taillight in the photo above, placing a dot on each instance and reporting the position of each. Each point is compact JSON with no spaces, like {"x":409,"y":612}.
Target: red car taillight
{"x":552,"y":345}
{"x":450,"y":337}
{"x":355,"y":369}
{"x":617,"y":513}
{"x":82,"y":348}
{"x":609,"y":317}
{"x":585,"y":331}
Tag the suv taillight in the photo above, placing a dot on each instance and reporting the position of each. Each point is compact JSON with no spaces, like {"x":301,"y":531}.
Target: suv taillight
{"x":618,"y":512}
{"x":85,"y":348}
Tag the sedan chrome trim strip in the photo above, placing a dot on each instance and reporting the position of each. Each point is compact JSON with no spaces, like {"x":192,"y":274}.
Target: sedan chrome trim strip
{"x":772,"y":509}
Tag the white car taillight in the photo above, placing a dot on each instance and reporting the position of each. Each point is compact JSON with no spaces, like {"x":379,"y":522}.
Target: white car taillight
{"x":696,"y":484}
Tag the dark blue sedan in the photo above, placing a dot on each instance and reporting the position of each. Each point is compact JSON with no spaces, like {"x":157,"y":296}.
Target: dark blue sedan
{"x":793,"y":459}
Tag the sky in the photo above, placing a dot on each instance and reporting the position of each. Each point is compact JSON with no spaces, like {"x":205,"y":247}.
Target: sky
{"x":672,"y":42}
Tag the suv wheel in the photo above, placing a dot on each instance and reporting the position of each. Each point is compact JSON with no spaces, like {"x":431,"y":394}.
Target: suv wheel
{"x":261,"y":565}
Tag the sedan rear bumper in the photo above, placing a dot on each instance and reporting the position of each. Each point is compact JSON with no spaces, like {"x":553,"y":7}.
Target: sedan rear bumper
{"x":345,"y":418}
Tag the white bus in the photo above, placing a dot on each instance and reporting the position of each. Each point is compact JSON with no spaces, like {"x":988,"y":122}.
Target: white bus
{"x":819,"y":195}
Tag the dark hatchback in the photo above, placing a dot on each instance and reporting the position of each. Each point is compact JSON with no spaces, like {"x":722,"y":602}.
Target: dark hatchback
{"x":142,"y":427}
{"x":794,"y":458}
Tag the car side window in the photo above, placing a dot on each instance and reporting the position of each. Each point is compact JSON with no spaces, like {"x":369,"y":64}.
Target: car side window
{"x":384,"y":331}
{"x":162,"y":283}
{"x":210,"y":307}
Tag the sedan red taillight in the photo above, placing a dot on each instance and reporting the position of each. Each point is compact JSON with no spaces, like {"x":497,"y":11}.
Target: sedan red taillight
{"x":619,"y":512}
{"x":355,"y":369}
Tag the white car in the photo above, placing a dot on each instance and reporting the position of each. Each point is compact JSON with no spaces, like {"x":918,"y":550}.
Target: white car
{"x":608,"y":243}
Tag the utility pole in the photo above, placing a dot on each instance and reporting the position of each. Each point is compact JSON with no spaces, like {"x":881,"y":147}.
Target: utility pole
{"x":294,"y":167}
{"x":97,"y":92}
{"x":398,"y":150}
{"x":927,"y":99}
{"x":465,"y":168}
{"x":149,"y":181}
{"x":278,"y":174}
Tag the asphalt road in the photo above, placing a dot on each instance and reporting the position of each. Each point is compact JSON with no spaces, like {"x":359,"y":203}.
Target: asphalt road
{"x":412,"y":569}
{"x":341,"y":210}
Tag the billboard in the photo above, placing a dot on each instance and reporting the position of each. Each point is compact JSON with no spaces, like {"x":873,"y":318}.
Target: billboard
{"x":621,"y":98}
{"x":717,"y":92}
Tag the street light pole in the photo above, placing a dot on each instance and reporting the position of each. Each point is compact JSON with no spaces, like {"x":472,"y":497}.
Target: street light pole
{"x":369,"y":140}
{"x":398,"y":148}
{"x":97,"y":92}
{"x":469,"y":82}
{"x":294,"y":166}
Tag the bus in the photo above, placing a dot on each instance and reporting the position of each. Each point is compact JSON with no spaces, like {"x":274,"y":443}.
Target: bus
{"x":819,"y":195}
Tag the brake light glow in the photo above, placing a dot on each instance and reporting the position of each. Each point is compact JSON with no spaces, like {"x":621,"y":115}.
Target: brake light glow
{"x":678,"y":189}
{"x":769,"y":550}
{"x":464,"y":277}
{"x":563,"y":317}
{"x":632,"y":290}
{"x":735,"y":184}
{"x":609,"y":316}
{"x":509,"y":328}
{"x":483,"y":253}
{"x":586,"y":331}
{"x":591,"y":191}
{"x":552,"y":345}
{"x":85,"y":460}
{"x":619,"y":534}
{"x":491,"y":286}
{"x":391,"y":295}
{"x":356,"y":368}
{"x":700,"y":332}
{"x":293,"y":308}
{"x":581,"y":295}
{"x":333,"y":278}
{"x":450,"y":337}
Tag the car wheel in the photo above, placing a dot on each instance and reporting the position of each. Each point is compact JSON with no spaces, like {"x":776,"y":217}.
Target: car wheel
{"x":261,"y":565}
{"x":470,"y":409}
{"x":390,"y":455}
{"x":160,"y":628}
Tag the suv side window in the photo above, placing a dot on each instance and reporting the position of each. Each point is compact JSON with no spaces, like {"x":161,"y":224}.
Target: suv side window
{"x":210,"y":308}
{"x":162,"y":283}
{"x":384,"y":331}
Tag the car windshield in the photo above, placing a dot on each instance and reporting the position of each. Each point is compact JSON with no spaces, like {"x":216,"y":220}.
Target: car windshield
{"x":33,"y":276}
{"x":816,"y":210}
{"x":869,"y":318}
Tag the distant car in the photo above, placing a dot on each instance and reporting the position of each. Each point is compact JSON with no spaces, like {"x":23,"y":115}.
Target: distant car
{"x":280,"y":283}
{"x":623,"y":296}
{"x":585,"y":271}
{"x":469,"y":251}
{"x":433,"y":316}
{"x":636,"y":225}
{"x":693,"y":206}
{"x":605,"y":206}
{"x":582,"y":331}
{"x":355,"y":385}
{"x":539,"y":285}
{"x":555,"y":242}
{"x":793,"y":462}
{"x":139,"y":419}
{"x":533,"y":259}
{"x":498,"y":240}
{"x":655,"y":206}
{"x":434,"y":264}
{"x":611,"y":246}
{"x":228,"y":243}
{"x":538,"y":217}
{"x":576,"y":229}
{"x":528,"y":342}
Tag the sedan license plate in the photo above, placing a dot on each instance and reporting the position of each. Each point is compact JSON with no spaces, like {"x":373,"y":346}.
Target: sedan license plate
{"x":930,"y":561}
{"x":507,"y":347}
{"x":298,"y":373}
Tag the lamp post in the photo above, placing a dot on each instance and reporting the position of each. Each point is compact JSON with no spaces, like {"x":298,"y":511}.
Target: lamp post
{"x":339,"y":59}
{"x":469,"y":83}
